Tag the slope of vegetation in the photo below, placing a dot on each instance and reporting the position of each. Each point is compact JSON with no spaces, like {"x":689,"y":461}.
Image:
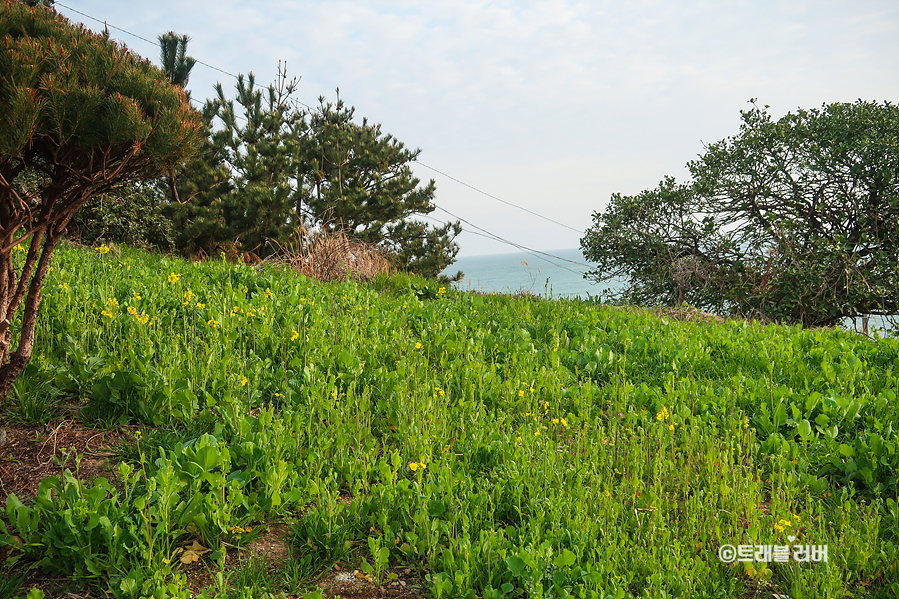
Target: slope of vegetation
{"x":491,"y":446}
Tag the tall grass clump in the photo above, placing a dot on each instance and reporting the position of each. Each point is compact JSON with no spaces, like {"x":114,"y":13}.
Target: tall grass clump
{"x":332,"y":255}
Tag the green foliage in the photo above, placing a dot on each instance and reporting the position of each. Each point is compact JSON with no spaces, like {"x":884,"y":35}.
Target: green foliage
{"x":132,"y":215}
{"x":269,"y":172}
{"x":240,"y":188}
{"x":356,"y":178}
{"x":69,"y":95}
{"x":511,"y":448}
{"x":176,"y":64}
{"x":792,"y":220}
{"x":79,"y":116}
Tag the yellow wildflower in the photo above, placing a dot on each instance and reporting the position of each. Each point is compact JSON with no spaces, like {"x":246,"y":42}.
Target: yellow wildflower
{"x":200,"y":306}
{"x":103,"y":249}
{"x":113,"y":301}
{"x":521,"y":393}
{"x":417,"y":345}
{"x":243,"y":381}
{"x":107,"y":314}
{"x":136,"y":296}
{"x":173,"y":277}
{"x":268,"y":292}
{"x":63,"y":287}
{"x":564,"y":422}
{"x":213,"y":323}
{"x":295,"y":336}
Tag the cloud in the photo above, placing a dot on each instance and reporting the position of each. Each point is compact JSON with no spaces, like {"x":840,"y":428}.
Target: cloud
{"x":524,"y":95}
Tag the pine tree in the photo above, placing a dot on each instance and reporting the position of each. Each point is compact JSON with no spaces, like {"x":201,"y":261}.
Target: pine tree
{"x":239,"y":190}
{"x":356,"y":178}
{"x":176,"y":64}
{"x":79,"y":116}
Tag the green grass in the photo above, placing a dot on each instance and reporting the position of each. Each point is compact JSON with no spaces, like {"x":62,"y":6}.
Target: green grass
{"x":568,"y":449}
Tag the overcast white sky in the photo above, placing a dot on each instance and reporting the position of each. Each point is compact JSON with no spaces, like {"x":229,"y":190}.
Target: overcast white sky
{"x":553,"y":105}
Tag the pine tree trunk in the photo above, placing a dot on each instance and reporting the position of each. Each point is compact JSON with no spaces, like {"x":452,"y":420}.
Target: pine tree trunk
{"x":10,"y":371}
{"x":12,"y":364}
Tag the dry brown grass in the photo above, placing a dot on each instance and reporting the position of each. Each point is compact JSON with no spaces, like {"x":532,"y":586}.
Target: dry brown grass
{"x":329,"y":255}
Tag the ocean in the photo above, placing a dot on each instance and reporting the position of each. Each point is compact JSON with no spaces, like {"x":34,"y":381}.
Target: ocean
{"x":561,"y":275}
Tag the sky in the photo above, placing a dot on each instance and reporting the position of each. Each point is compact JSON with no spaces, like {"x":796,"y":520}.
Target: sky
{"x":550,"y":105}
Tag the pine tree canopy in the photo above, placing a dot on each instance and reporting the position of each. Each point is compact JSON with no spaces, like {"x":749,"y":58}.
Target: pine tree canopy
{"x":79,"y":115}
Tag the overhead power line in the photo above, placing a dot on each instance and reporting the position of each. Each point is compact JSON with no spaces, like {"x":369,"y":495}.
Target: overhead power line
{"x":512,"y":243}
{"x":499,"y":199}
{"x":140,"y":37}
{"x":487,"y":235}
{"x":484,"y":232}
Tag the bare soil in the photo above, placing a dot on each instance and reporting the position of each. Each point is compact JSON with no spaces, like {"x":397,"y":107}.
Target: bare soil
{"x":30,"y":453}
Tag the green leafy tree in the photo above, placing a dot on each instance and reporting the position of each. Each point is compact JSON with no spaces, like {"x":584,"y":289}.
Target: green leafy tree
{"x":794,"y":219}
{"x":357,"y":178}
{"x":132,"y":215}
{"x":79,"y":116}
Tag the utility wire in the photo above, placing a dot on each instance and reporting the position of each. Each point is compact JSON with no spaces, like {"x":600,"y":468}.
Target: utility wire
{"x":484,"y":233}
{"x":512,"y":243}
{"x":140,"y":37}
{"x":534,"y":253}
{"x":498,"y":199}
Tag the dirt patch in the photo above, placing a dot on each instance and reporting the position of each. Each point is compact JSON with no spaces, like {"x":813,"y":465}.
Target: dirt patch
{"x":273,"y":545}
{"x":31,"y":453}
{"x":354,"y":584}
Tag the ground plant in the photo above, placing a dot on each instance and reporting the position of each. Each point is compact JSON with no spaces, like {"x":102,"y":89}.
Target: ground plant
{"x":466,"y":445}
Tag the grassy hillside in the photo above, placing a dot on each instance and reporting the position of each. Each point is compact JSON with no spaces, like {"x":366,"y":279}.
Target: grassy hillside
{"x":476,"y":446}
